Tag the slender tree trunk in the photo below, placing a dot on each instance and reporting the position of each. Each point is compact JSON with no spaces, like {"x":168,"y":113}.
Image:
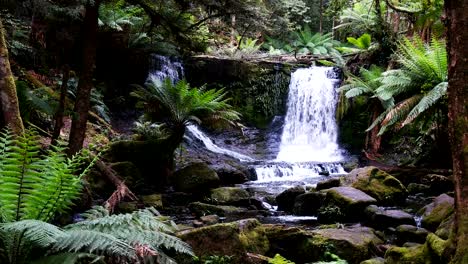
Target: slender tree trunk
{"x":457,"y":47}
{"x":233,"y":29}
{"x":85,"y":84}
{"x":321,"y":17}
{"x":8,"y":97}
{"x":373,"y":140}
{"x":61,"y":108}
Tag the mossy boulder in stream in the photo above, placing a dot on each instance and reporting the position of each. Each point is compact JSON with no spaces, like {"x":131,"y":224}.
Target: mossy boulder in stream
{"x":201,"y":209}
{"x":344,"y":204}
{"x":437,"y":211}
{"x":230,"y":239}
{"x":286,"y":199}
{"x":230,"y":196}
{"x":377,"y":183}
{"x":195,"y":178}
{"x":415,"y":255}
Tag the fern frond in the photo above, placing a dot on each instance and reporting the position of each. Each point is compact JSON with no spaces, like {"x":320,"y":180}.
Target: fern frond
{"x":427,"y":101}
{"x":398,"y":112}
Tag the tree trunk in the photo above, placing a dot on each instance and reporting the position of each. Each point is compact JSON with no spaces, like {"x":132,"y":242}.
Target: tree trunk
{"x":61,"y":108}
{"x":321,"y":17}
{"x":8,"y":96}
{"x":457,"y":47}
{"x":85,"y":84}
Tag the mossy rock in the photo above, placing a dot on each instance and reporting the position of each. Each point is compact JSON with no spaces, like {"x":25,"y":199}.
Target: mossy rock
{"x":387,"y":189}
{"x":229,"y":196}
{"x":128,"y":172}
{"x":411,"y":233}
{"x":381,"y":218}
{"x":308,"y":203}
{"x":415,"y":255}
{"x":201,"y":209}
{"x":436,"y":244}
{"x":230,"y":239}
{"x":153,"y":200}
{"x":437,"y":211}
{"x":353,"y":244}
{"x":195,"y":178}
{"x":446,"y":227}
{"x":344,"y":204}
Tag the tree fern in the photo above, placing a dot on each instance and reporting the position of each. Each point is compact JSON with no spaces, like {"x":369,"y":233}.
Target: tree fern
{"x":35,"y":186}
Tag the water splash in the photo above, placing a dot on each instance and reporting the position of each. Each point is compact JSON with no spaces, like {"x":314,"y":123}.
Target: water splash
{"x":310,"y":131}
{"x":162,"y":67}
{"x":295,"y":171}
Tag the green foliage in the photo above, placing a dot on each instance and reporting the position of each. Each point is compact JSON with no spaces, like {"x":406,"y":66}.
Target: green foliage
{"x":36,"y":186}
{"x":363,"y":43}
{"x":421,"y":81}
{"x":35,"y":102}
{"x":278,"y":259}
{"x":359,"y":18}
{"x":307,"y":42}
{"x":248,"y":46}
{"x":184,"y":105}
{"x":140,"y":237}
{"x":150,"y":131}
{"x":116,"y":16}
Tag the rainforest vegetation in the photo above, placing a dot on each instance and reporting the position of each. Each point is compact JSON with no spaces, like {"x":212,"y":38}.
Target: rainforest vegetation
{"x":101,"y":102}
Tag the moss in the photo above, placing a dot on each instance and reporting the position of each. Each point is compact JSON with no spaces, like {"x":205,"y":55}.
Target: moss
{"x":153,"y":200}
{"x":414,"y":255}
{"x":201,"y":209}
{"x":436,"y":244}
{"x":228,"y":195}
{"x":195,"y":178}
{"x":437,"y":215}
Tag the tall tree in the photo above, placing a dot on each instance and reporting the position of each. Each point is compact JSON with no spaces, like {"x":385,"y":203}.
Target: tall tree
{"x":457,"y":47}
{"x":8,"y":96}
{"x":85,"y":84}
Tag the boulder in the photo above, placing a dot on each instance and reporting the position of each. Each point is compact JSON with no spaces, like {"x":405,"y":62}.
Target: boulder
{"x":377,"y":183}
{"x":437,"y":211}
{"x":195,"y":178}
{"x":437,"y":183}
{"x":129,"y":173}
{"x":286,"y":199}
{"x":153,"y":200}
{"x":445,"y":228}
{"x":327,"y":184}
{"x":415,"y":255}
{"x":411,"y":233}
{"x":230,"y":239}
{"x":201,"y":209}
{"x":229,"y":196}
{"x":230,"y":175}
{"x":437,"y":245}
{"x":380,"y":218}
{"x":308,"y":203}
{"x":353,"y":244}
{"x":344,"y":204}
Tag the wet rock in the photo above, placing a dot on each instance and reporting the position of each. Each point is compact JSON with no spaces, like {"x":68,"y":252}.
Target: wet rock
{"x":381,"y":218}
{"x":201,"y":209}
{"x":230,"y":175}
{"x":351,"y":164}
{"x":195,"y":178}
{"x":153,"y":200}
{"x":344,"y":204}
{"x":438,"y":183}
{"x":210,"y":219}
{"x":197,"y":223}
{"x":307,"y":204}
{"x":378,"y":184}
{"x":229,"y":196}
{"x":327,"y":184}
{"x":129,"y":173}
{"x":437,"y":211}
{"x":374,"y":261}
{"x":411,"y":233}
{"x":127,"y":207}
{"x":286,"y":199}
{"x":230,"y":239}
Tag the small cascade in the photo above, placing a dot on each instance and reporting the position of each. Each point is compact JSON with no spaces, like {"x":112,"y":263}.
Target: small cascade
{"x":308,"y":146}
{"x":198,"y":134}
{"x":162,"y":67}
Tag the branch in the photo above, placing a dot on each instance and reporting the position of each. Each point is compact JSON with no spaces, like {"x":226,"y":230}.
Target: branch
{"x":205,"y":19}
{"x":399,"y":9}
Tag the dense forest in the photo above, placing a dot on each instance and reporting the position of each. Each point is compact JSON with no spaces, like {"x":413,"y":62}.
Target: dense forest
{"x":241,"y":131}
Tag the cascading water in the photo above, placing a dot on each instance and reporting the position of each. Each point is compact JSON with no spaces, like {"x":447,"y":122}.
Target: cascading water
{"x":308,"y":145}
{"x":310,"y":131}
{"x":163,"y":67}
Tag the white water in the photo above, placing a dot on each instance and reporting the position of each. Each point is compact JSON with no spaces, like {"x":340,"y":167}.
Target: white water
{"x":295,"y":171}
{"x":310,"y":131}
{"x":197,"y":133}
{"x":163,"y":67}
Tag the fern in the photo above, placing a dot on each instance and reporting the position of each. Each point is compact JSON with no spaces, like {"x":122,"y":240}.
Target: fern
{"x":35,"y":186}
{"x":278,"y":259}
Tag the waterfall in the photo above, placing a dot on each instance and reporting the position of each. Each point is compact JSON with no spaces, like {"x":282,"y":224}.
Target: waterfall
{"x":163,"y":67}
{"x":308,"y":146}
{"x":310,"y":131}
{"x":197,"y":133}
